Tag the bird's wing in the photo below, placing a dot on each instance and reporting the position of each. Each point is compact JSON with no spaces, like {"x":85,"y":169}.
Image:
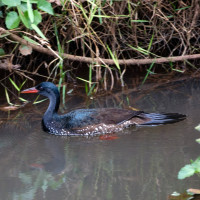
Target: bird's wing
{"x":86,"y":117}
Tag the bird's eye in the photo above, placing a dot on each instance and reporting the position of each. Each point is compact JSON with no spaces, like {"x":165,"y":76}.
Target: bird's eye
{"x":41,"y":88}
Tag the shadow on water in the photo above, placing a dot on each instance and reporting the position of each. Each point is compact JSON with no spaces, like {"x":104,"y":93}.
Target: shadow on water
{"x":142,"y":164}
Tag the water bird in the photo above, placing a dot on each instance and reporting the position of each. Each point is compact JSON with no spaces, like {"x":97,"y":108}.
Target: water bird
{"x":97,"y":121}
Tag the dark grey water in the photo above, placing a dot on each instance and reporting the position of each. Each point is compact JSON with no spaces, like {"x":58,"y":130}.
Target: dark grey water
{"x":142,"y":164}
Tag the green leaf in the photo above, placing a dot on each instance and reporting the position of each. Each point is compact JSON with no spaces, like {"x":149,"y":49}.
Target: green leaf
{"x":12,"y":20}
{"x":12,"y":2}
{"x":37,"y":17}
{"x":23,"y":6}
{"x":45,"y":6}
{"x":186,"y":171}
{"x":1,"y":3}
{"x":196,"y":165}
{"x":2,"y":52}
{"x":197,"y":127}
{"x":39,"y":32}
{"x":24,"y":18}
{"x":198,"y":140}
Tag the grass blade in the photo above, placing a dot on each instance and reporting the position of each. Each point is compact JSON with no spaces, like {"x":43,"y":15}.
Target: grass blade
{"x":148,"y":72}
{"x":36,"y":100}
{"x":150,"y":43}
{"x":63,"y":93}
{"x":7,"y":97}
{"x":20,"y":87}
{"x":139,"y":21}
{"x":84,"y":80}
{"x":22,"y":99}
{"x":90,"y":75}
{"x":14,"y":84}
{"x":91,"y":90}
{"x":114,"y":57}
{"x":30,"y":40}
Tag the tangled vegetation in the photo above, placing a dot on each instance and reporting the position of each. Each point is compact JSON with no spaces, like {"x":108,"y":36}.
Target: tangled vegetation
{"x":96,"y":41}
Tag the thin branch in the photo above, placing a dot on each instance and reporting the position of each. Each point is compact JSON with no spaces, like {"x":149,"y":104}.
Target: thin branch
{"x":107,"y":61}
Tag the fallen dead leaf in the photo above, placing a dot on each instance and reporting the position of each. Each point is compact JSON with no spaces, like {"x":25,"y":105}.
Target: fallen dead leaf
{"x":25,"y":50}
{"x":7,"y":108}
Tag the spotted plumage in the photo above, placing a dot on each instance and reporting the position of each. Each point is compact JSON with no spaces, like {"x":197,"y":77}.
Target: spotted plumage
{"x":93,"y":121}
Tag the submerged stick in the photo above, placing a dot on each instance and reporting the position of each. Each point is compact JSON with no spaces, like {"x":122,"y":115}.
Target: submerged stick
{"x":145,"y":61}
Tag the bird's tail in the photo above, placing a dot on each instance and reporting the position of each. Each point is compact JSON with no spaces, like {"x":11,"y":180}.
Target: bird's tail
{"x":166,"y":118}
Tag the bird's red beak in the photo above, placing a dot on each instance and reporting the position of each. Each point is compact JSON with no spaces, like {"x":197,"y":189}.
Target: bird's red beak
{"x":30,"y":90}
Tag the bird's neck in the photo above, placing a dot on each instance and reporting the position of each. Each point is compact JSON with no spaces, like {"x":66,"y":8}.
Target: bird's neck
{"x":53,"y":107}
